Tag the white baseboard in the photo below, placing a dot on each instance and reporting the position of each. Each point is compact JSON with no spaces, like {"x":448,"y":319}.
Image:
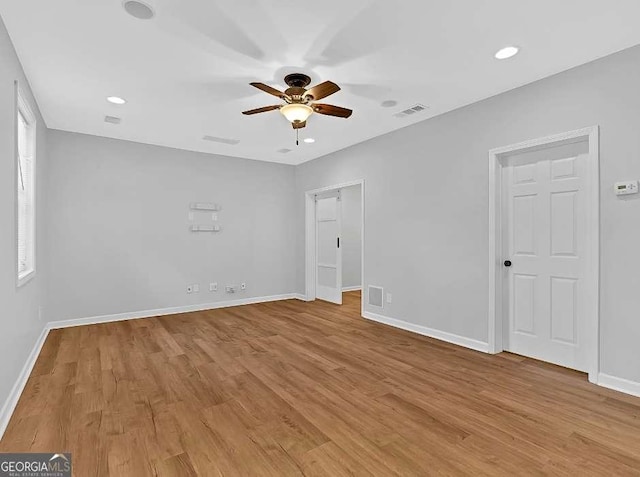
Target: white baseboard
{"x":348,"y":289}
{"x":301,"y":297}
{"x":619,"y":384}
{"x":167,"y":311}
{"x":430,"y":332}
{"x":12,"y":400}
{"x":605,"y":380}
{"x":18,"y":387}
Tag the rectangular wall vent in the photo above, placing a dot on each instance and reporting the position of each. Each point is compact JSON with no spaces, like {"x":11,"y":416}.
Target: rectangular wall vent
{"x":418,"y":108}
{"x":112,"y":120}
{"x":283,"y":150}
{"x":375,"y":296}
{"x":221,"y":140}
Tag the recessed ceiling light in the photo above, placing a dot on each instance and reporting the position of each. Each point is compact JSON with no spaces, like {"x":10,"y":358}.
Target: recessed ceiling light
{"x":138,"y":9}
{"x":309,"y":140}
{"x":116,"y":100}
{"x":507,"y":52}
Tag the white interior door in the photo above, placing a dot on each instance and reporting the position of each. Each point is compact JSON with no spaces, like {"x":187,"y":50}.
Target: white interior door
{"x":328,"y":251}
{"x":546,"y":240}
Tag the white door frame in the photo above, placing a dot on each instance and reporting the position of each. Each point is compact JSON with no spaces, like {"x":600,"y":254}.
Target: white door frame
{"x":310,"y":237}
{"x":496,"y":282}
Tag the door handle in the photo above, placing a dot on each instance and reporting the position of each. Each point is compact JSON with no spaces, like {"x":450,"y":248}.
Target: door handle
{"x":507,"y":263}
{"x":338,"y":242}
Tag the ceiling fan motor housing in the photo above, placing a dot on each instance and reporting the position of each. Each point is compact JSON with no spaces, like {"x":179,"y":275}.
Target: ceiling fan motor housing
{"x":297,"y":80}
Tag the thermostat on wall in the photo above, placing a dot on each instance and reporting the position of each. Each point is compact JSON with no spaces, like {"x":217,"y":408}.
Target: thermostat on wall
{"x":626,"y":187}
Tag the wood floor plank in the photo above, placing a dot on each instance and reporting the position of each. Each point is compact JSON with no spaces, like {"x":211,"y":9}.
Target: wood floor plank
{"x":294,"y":388}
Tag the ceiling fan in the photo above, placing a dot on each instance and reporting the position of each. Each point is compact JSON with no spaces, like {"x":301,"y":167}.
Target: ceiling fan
{"x":300,"y":102}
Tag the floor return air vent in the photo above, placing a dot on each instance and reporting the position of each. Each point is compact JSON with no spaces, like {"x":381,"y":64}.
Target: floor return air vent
{"x":375,"y":295}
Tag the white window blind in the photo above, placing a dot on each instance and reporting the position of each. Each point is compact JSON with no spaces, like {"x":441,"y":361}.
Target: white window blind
{"x":25,"y":184}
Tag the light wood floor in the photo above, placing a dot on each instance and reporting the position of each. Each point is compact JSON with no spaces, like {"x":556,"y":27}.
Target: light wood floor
{"x":293,"y":388}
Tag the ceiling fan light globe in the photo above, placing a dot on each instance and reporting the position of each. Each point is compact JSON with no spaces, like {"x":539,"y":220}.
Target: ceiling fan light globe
{"x":296,"y":112}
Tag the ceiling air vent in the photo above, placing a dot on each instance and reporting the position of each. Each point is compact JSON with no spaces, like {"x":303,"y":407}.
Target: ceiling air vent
{"x":375,"y":296}
{"x":221,"y":140}
{"x":283,"y":150}
{"x":112,"y":120}
{"x":418,"y":108}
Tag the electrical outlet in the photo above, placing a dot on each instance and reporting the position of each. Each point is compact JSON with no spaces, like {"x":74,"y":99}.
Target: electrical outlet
{"x":196,"y":288}
{"x":230,"y":289}
{"x":213,"y":287}
{"x":189,"y":289}
{"x":243,"y":286}
{"x":389,"y":298}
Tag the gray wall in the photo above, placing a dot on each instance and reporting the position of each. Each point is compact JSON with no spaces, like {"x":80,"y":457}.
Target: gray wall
{"x":116,"y":215}
{"x":18,"y":306}
{"x":118,"y":222}
{"x":351,"y":236}
{"x":426,"y":201}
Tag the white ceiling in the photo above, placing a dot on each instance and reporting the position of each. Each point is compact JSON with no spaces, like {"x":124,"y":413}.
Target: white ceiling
{"x":185,"y":73}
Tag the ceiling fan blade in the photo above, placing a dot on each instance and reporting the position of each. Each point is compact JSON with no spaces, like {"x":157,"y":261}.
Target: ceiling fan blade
{"x":322,"y":90}
{"x":268,"y":89}
{"x":299,"y":125}
{"x":261,"y":110}
{"x":331,"y":110}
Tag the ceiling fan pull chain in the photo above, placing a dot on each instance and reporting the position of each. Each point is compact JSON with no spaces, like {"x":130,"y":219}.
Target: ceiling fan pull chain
{"x":297,"y":137}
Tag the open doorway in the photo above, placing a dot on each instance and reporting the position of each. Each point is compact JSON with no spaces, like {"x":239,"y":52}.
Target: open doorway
{"x":335,"y":243}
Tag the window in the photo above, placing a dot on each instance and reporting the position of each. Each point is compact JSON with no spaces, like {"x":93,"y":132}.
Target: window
{"x":25,"y":184}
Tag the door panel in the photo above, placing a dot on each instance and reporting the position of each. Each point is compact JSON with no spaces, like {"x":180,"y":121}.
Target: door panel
{"x":563,"y":168}
{"x":328,"y":253}
{"x":327,"y":233}
{"x":564,"y":223}
{"x":524,"y":289}
{"x":525,"y":173}
{"x":564,"y":296}
{"x":545,"y":228}
{"x":524,"y":237}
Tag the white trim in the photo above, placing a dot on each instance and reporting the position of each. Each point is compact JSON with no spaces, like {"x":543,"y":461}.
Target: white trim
{"x":26,"y":278}
{"x":301,"y":297}
{"x":348,"y":289}
{"x":495,"y":242}
{"x":619,"y":384}
{"x":605,"y":380}
{"x":23,"y":377}
{"x":14,"y":396}
{"x":310,"y":236}
{"x":168,"y":311}
{"x":430,"y":332}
